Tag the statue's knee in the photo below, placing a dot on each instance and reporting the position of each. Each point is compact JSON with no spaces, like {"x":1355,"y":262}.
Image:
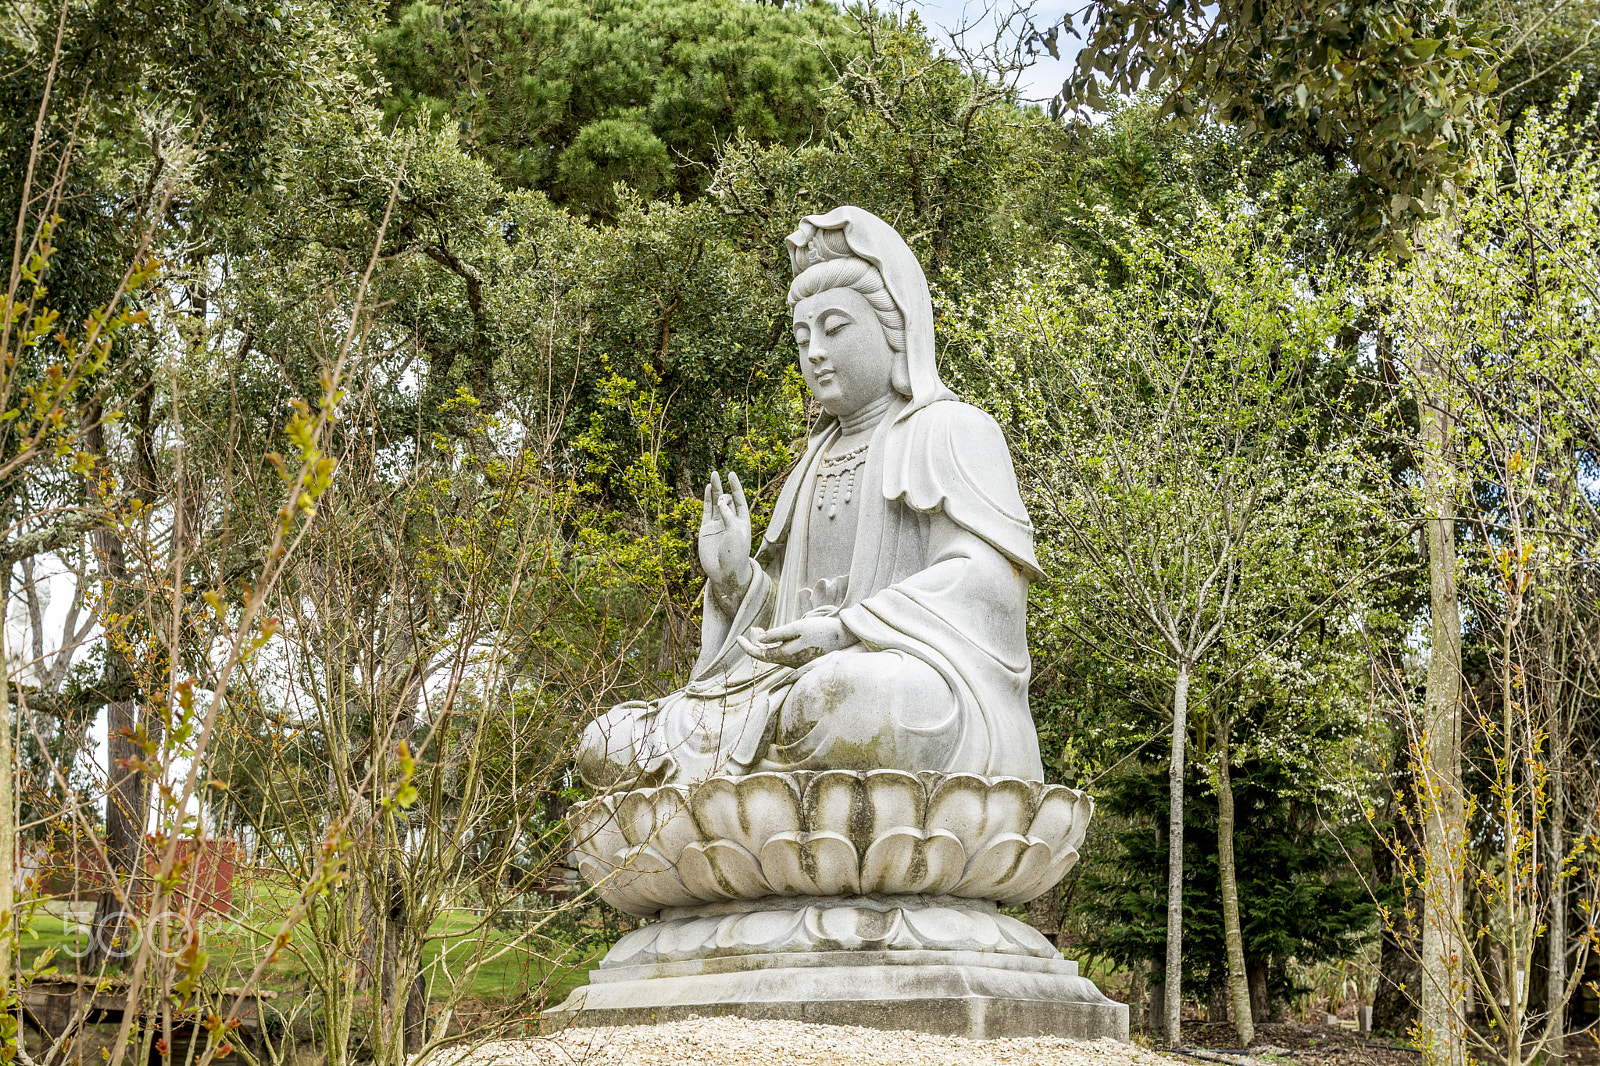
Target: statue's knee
{"x":606,"y":751}
{"x":816,"y":695}
{"x":844,"y":683}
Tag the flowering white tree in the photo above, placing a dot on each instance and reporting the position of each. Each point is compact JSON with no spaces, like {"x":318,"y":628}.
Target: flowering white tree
{"x":1495,"y":328}
{"x":1161,"y":422}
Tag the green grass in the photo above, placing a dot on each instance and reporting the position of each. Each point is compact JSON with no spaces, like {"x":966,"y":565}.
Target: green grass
{"x":235,"y":949}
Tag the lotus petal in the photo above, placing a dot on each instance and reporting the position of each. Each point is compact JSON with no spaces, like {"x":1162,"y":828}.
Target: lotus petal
{"x":675,"y":828}
{"x":636,"y":815}
{"x":748,"y":810}
{"x":811,"y":864}
{"x":1010,"y":859}
{"x":1060,"y":862}
{"x":624,"y":889}
{"x":660,"y":874}
{"x":976,"y":809}
{"x":683,"y":939}
{"x":760,"y":929}
{"x":907,"y":860}
{"x":894,"y":799}
{"x":633,"y":948}
{"x":856,"y":927}
{"x":831,"y":800}
{"x":950,"y":928}
{"x":1080,"y":824}
{"x":628,"y":892}
{"x":597,"y":832}
{"x":722,"y":869}
{"x":1056,"y":816}
{"x":1028,"y":940}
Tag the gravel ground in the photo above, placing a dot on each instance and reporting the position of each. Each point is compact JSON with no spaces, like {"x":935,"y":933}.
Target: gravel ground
{"x":737,"y":1042}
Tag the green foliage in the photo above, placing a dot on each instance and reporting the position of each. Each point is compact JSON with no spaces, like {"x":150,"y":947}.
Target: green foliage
{"x":1299,"y":898}
{"x":948,"y":157}
{"x":611,"y":150}
{"x":1396,"y":88}
{"x":1164,"y":431}
{"x":569,"y":97}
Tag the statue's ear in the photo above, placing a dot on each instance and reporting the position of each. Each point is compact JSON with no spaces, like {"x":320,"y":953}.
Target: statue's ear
{"x":900,"y":377}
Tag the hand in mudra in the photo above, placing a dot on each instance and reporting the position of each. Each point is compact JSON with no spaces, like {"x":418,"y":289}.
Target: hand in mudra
{"x":725,"y":536}
{"x":798,"y":642}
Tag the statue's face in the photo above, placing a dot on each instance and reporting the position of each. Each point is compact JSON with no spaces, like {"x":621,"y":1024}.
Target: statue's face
{"x":844,"y":356}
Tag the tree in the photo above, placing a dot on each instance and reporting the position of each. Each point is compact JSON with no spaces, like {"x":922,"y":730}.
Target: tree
{"x":1156,"y":422}
{"x":1299,"y":897}
{"x":1394,"y":88}
{"x":569,"y":98}
{"x":1513,"y":363}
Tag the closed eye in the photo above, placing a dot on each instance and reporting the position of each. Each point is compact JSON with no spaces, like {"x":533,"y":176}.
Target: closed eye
{"x":834,"y":321}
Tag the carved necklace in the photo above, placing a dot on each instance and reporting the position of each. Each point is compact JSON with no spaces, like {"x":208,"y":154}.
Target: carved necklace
{"x":837,"y":475}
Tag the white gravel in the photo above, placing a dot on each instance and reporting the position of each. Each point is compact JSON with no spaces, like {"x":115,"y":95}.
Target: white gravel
{"x":738,"y":1042}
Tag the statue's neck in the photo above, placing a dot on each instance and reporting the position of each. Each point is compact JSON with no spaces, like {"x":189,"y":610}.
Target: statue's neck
{"x":865,"y":417}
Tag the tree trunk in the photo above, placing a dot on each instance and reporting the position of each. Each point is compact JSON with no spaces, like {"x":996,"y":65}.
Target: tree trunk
{"x":416,"y":1018}
{"x":126,"y":801}
{"x":1233,"y":934}
{"x":127,"y":792}
{"x":1394,"y":1005}
{"x":1174,"y":975}
{"x":1217,"y":1002}
{"x":125,"y":822}
{"x":8,"y":826}
{"x":1044,"y":914}
{"x":1260,"y":1002}
{"x":1137,"y":1021}
{"x":1440,"y":787}
{"x":1556,"y":935}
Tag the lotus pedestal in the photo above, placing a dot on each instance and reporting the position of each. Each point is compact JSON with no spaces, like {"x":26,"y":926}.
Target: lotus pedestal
{"x":839,"y":897}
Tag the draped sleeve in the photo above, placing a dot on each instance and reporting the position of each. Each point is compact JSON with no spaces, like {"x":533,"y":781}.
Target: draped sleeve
{"x":951,"y":457}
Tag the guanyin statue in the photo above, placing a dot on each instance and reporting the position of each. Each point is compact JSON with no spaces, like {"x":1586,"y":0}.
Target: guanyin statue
{"x":881,"y":622}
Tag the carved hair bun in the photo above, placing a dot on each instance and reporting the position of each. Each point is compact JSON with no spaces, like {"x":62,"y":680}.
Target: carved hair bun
{"x":809,"y":246}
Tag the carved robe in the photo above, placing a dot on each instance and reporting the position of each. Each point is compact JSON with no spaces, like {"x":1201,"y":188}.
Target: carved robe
{"x":936,"y":594}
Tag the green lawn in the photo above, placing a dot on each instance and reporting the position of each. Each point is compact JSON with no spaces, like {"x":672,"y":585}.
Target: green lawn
{"x":506,"y":968}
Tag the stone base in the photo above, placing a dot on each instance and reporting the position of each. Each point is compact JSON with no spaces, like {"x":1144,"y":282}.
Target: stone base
{"x":971,"y":994}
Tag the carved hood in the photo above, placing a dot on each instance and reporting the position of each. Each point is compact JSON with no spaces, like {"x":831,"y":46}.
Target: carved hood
{"x":871,"y":238}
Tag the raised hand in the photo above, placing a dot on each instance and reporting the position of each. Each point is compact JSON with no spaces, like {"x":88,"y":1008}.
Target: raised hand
{"x":725,"y":538}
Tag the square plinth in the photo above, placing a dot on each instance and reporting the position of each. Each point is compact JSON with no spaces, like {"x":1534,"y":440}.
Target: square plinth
{"x":976,"y":998}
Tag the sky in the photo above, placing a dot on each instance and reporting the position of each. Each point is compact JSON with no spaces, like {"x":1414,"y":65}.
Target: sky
{"x":1040,"y":81}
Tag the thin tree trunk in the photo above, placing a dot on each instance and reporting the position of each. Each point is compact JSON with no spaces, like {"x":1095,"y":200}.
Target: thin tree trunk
{"x":8,"y":825}
{"x":1260,"y":1001}
{"x":1137,"y":992}
{"x":1174,"y":977}
{"x":1556,"y":983}
{"x":125,"y":795}
{"x":1394,"y":1006}
{"x":125,"y":806}
{"x":1444,"y":830}
{"x":1238,"y":980}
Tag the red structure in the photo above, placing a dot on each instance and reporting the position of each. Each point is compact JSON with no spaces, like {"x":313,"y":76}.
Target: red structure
{"x":207,"y":870}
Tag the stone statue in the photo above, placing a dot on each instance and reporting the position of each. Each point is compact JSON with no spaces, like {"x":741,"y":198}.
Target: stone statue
{"x":882,"y":622}
{"x":824,"y":823}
